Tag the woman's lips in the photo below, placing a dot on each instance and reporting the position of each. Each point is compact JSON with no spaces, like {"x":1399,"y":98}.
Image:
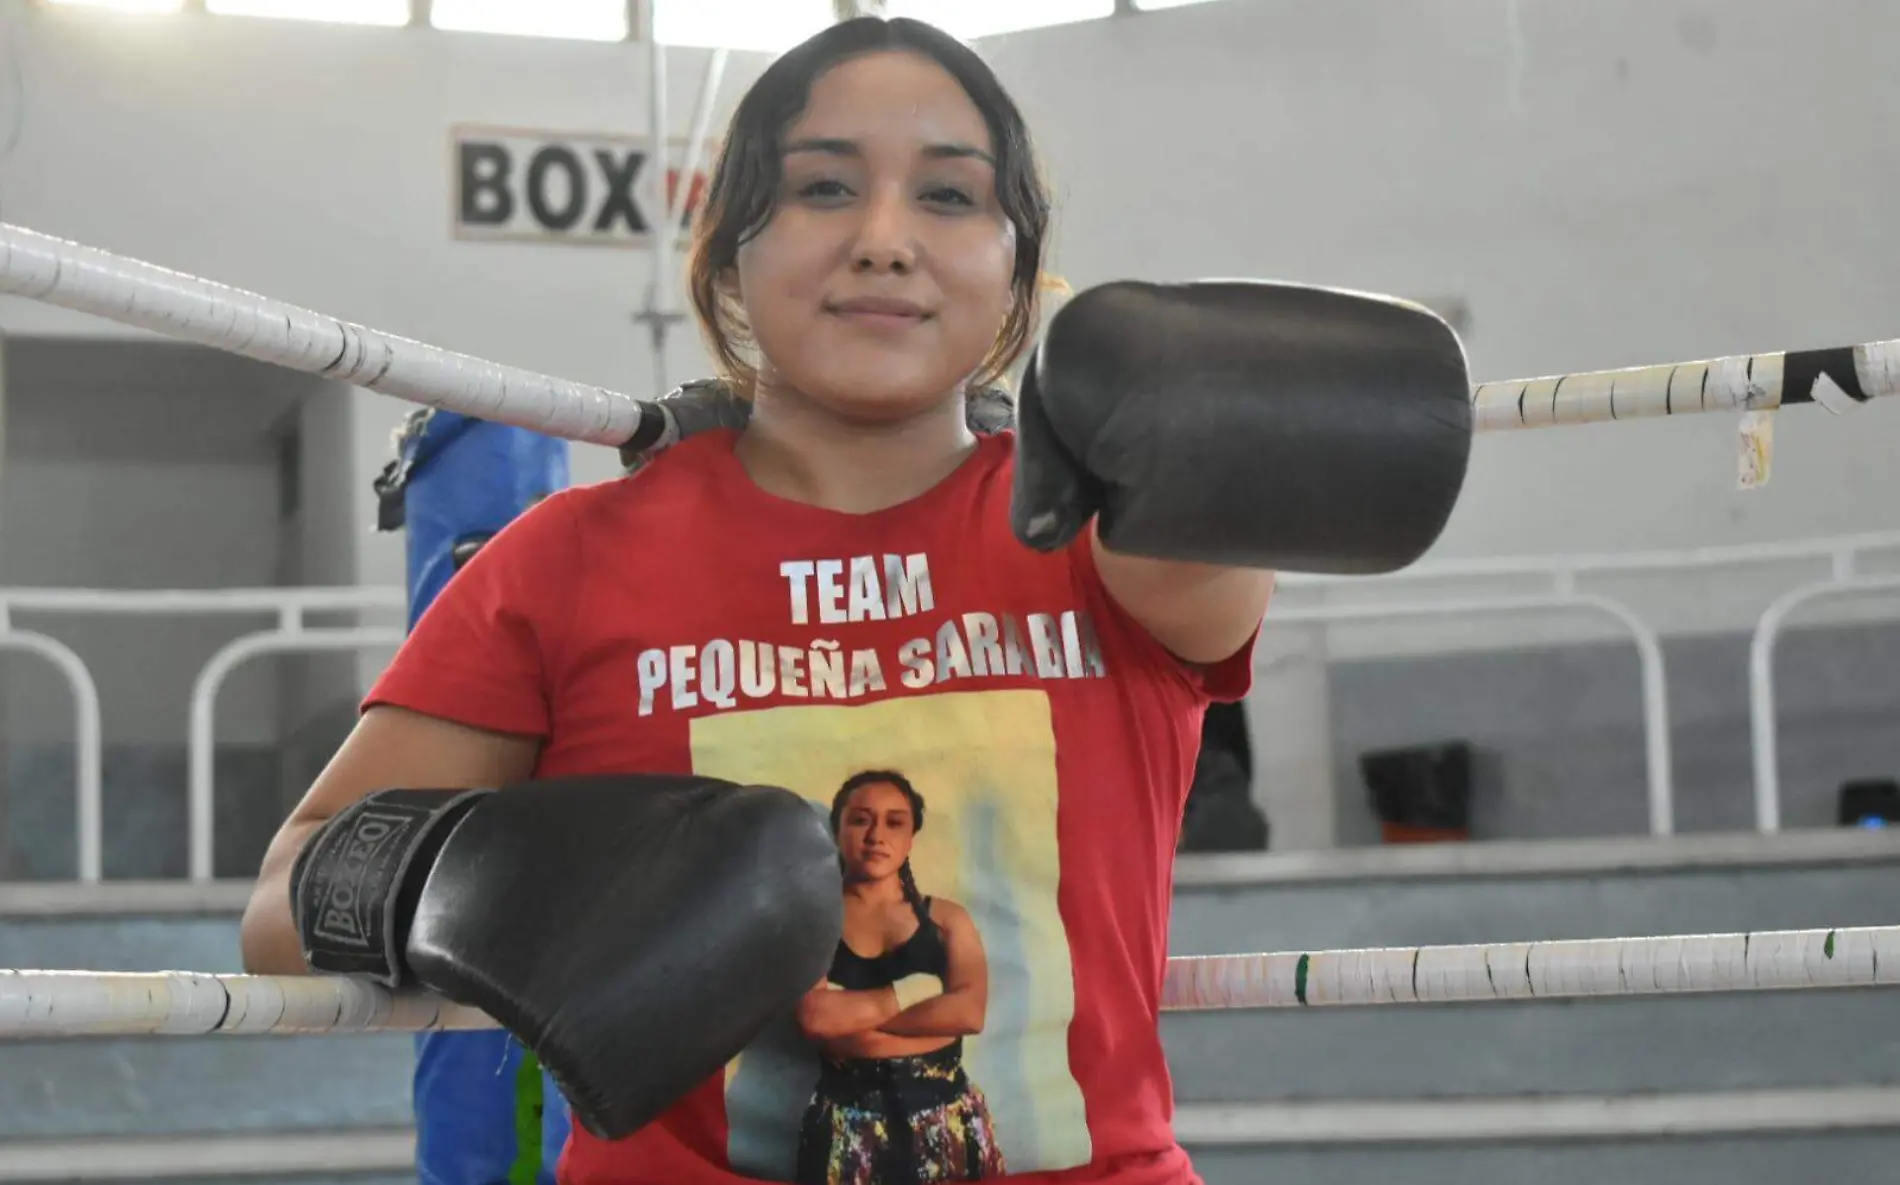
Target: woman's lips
{"x":880,"y":312}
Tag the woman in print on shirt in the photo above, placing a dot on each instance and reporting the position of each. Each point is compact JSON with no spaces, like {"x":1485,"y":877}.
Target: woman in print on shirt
{"x":909,"y":982}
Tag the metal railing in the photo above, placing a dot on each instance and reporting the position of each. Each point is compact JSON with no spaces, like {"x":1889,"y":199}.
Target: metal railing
{"x":1840,"y":551}
{"x":293,"y":635}
{"x":88,"y":739}
{"x":1660,"y":774}
{"x":290,"y":637}
{"x":1761,"y":683}
{"x":288,"y":604}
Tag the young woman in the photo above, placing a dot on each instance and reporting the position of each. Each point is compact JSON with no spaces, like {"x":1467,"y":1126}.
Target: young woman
{"x":909,"y":982}
{"x":871,"y":248}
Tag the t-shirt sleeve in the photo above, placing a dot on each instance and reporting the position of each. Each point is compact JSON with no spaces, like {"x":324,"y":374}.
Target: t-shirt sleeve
{"x":1226,"y":681}
{"x":484,"y":652}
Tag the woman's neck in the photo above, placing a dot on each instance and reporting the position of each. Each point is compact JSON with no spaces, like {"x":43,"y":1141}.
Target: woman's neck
{"x":794,"y":449}
{"x":881,"y":891}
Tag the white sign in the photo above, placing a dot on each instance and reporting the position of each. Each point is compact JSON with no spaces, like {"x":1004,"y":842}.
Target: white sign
{"x":588,"y":189}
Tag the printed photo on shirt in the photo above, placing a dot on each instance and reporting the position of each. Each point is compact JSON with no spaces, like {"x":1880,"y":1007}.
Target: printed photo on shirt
{"x":894,"y":1100}
{"x":944,"y":809}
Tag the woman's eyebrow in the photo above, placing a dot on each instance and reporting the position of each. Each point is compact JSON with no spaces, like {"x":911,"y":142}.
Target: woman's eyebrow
{"x":956,"y":151}
{"x":833,"y":146}
{"x":824,"y":145}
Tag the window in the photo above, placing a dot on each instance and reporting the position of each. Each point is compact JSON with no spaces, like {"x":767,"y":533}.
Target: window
{"x":771,"y":26}
{"x":970,"y":19}
{"x":591,"y":20}
{"x":123,"y":5}
{"x":762,"y":26}
{"x":354,"y":12}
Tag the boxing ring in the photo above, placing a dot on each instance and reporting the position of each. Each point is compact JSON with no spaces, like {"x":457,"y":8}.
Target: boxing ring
{"x":39,"y":1004}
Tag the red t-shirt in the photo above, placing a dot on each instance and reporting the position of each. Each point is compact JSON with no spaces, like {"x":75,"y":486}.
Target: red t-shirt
{"x":683,"y":620}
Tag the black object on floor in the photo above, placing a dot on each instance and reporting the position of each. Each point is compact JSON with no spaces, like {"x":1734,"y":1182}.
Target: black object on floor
{"x":1420,"y":794}
{"x":1869,"y":802}
{"x":1221,"y":814}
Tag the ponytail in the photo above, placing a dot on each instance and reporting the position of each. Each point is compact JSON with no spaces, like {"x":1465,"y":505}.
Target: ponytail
{"x":917,"y":904}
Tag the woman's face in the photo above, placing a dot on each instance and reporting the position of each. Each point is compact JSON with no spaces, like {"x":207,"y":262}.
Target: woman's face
{"x":883,"y":277}
{"x":875,"y":832}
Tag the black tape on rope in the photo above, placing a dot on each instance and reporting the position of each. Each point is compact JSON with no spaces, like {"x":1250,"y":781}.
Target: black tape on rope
{"x":1802,"y":370}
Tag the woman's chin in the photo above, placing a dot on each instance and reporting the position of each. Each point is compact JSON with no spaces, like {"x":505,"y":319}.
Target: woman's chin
{"x":879,"y":396}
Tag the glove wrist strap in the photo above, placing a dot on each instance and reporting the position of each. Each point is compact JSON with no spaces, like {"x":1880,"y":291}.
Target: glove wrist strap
{"x":355,"y":884}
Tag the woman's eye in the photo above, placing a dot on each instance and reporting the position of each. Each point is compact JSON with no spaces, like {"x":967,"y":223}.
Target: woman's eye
{"x":822,"y":188}
{"x":950,"y":196}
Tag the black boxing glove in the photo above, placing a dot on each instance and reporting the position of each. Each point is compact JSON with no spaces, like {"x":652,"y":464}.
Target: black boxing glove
{"x":1244,"y":424}
{"x":636,"y":933}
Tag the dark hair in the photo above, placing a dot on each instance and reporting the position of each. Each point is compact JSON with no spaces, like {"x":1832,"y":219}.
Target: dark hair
{"x":743,"y":191}
{"x":886,"y":777}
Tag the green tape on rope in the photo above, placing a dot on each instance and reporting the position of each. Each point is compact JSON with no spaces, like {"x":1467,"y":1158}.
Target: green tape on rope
{"x":1827,"y":948}
{"x":1299,"y":979}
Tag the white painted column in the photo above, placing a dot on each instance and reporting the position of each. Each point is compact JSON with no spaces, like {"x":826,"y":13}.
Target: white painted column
{"x":377,"y":557}
{"x":4,"y":847}
{"x":1290,"y":723}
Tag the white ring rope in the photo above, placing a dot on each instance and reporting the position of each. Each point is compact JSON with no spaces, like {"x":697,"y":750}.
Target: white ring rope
{"x":95,"y":1003}
{"x":1838,"y":379}
{"x":84,"y":1003}
{"x":88,"y":280}
{"x":1773,"y":960}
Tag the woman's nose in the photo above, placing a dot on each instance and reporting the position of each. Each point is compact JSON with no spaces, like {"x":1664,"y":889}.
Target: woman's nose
{"x":887,"y":240}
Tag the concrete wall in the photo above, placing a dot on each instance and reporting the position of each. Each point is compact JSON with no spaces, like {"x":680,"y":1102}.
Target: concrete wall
{"x":1607,"y":184}
{"x":318,"y":692}
{"x":1560,"y":740}
{"x":139,"y":465}
{"x":1593,"y":181}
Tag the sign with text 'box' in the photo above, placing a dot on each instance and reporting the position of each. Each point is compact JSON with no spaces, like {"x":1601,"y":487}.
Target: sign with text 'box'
{"x":585,"y":189}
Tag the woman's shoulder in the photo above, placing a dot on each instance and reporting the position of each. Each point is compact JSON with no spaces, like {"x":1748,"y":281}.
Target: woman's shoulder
{"x":946,"y":912}
{"x":668,"y":484}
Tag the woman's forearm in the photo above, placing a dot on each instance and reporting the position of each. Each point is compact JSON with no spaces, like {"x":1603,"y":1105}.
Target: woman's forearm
{"x":829,"y":1014}
{"x":953,"y":1014}
{"x":268,"y":936}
